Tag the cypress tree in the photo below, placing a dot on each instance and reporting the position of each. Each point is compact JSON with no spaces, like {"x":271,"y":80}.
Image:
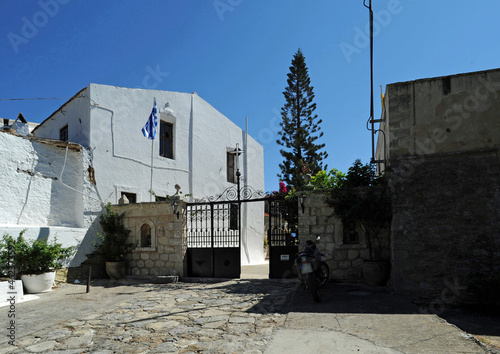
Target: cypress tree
{"x":300,"y":127}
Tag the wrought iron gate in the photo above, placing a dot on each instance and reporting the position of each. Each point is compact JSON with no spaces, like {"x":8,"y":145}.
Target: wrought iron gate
{"x":283,"y":223}
{"x":213,"y":239}
{"x":214,"y":234}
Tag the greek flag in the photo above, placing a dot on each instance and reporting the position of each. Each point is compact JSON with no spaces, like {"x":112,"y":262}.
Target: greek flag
{"x":149,"y":129}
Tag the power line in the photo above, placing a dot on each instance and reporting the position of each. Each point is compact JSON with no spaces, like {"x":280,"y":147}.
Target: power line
{"x":32,"y":99}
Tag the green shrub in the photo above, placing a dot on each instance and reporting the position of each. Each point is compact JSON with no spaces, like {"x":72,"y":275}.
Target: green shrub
{"x":364,"y":199}
{"x":32,"y":257}
{"x":112,"y":243}
{"x":324,"y":180}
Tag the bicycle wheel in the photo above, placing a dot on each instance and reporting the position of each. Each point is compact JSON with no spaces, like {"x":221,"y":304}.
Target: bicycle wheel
{"x":312,"y":285}
{"x":325,"y":273}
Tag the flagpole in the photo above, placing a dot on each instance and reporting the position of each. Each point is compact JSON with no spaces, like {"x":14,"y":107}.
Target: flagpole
{"x":151,"y":184}
{"x":152,"y":152}
{"x":149,"y":131}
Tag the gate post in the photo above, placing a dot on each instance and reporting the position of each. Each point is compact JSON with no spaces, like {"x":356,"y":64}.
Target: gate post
{"x":179,"y":209}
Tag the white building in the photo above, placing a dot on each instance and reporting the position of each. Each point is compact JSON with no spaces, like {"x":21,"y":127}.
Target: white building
{"x":20,"y":125}
{"x":192,"y":148}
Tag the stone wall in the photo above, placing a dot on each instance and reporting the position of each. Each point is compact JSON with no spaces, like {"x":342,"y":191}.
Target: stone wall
{"x":166,"y":256}
{"x":446,"y":223}
{"x":443,"y":114}
{"x":318,"y":219}
{"x":443,"y":138}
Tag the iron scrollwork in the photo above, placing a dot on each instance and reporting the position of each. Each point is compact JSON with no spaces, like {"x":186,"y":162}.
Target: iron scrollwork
{"x":230,"y":194}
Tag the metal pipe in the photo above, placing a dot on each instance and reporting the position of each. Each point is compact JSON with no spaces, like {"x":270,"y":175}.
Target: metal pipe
{"x":371,"y":82}
{"x":88,"y":279}
{"x":212,"y":241}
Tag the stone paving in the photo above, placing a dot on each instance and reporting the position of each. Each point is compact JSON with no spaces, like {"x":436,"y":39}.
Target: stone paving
{"x":236,"y":316}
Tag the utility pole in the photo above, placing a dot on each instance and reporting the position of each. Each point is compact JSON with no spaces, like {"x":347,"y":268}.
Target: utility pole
{"x":372,"y":114}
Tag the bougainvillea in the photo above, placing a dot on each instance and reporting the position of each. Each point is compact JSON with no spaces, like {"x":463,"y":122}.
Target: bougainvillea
{"x":283,"y":187}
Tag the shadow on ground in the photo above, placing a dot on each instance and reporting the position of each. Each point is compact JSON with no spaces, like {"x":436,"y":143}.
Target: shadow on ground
{"x":472,"y":322}
{"x":361,"y":299}
{"x":352,"y":298}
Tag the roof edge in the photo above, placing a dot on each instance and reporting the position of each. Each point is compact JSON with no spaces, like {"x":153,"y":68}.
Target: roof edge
{"x":444,"y":76}
{"x":64,"y":104}
{"x":52,"y":142}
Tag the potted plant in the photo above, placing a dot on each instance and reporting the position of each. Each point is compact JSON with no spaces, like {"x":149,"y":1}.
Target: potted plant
{"x":35,"y":261}
{"x":363,"y":198}
{"x":113,"y":242}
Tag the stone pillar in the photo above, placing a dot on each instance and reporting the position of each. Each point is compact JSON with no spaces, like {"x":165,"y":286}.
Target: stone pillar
{"x":167,"y":220}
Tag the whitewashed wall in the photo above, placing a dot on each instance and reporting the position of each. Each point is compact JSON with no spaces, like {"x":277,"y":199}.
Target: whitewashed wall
{"x":39,"y":191}
{"x":109,"y":120}
{"x":74,"y":113}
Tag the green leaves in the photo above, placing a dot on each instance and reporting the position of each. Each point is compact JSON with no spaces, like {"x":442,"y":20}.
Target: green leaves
{"x":363,"y":198}
{"x":112,"y":243}
{"x":32,"y":257}
{"x":324,"y":180}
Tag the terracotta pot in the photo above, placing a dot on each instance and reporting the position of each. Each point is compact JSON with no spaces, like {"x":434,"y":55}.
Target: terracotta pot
{"x":376,"y":273}
{"x":38,"y":283}
{"x":115,"y":270}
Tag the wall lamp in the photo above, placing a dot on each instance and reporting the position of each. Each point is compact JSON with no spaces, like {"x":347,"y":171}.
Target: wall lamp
{"x":176,"y":207}
{"x":301,"y":201}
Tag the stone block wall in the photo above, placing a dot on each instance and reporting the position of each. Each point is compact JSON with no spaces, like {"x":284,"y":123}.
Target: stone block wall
{"x":443,"y":114}
{"x":446,"y":223}
{"x":443,"y":141}
{"x":318,"y":219}
{"x":166,"y":256}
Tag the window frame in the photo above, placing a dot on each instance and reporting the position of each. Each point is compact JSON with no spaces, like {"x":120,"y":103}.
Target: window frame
{"x":153,"y":234}
{"x":64,"y":132}
{"x":130,"y":196}
{"x":144,"y":238}
{"x":351,"y":234}
{"x":164,"y":139}
{"x":231,"y":167}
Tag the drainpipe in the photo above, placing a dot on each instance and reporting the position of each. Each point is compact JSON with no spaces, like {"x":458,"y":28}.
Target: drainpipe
{"x":190,"y":148}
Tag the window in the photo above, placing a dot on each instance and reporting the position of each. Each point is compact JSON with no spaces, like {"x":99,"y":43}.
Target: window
{"x":146,"y":235}
{"x":63,"y":133}
{"x":351,"y":235}
{"x":132,"y":197}
{"x":231,"y":165}
{"x":166,"y":140}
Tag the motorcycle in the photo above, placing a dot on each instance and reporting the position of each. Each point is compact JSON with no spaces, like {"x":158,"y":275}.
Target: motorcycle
{"x":312,"y":271}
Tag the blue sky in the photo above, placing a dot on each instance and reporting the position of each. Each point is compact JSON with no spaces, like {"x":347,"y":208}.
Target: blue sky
{"x":236,"y":55}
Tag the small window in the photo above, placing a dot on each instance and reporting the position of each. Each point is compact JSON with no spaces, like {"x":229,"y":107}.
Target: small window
{"x":351,"y":234}
{"x":146,"y":235}
{"x":231,"y":163}
{"x":63,"y":133}
{"x":166,"y":140}
{"x":132,"y":197}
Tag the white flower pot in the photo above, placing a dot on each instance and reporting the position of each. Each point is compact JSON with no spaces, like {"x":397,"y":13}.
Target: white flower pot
{"x":38,"y":283}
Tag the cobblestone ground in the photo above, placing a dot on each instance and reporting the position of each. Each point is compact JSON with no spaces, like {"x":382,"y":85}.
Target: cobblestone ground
{"x":237,"y":316}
